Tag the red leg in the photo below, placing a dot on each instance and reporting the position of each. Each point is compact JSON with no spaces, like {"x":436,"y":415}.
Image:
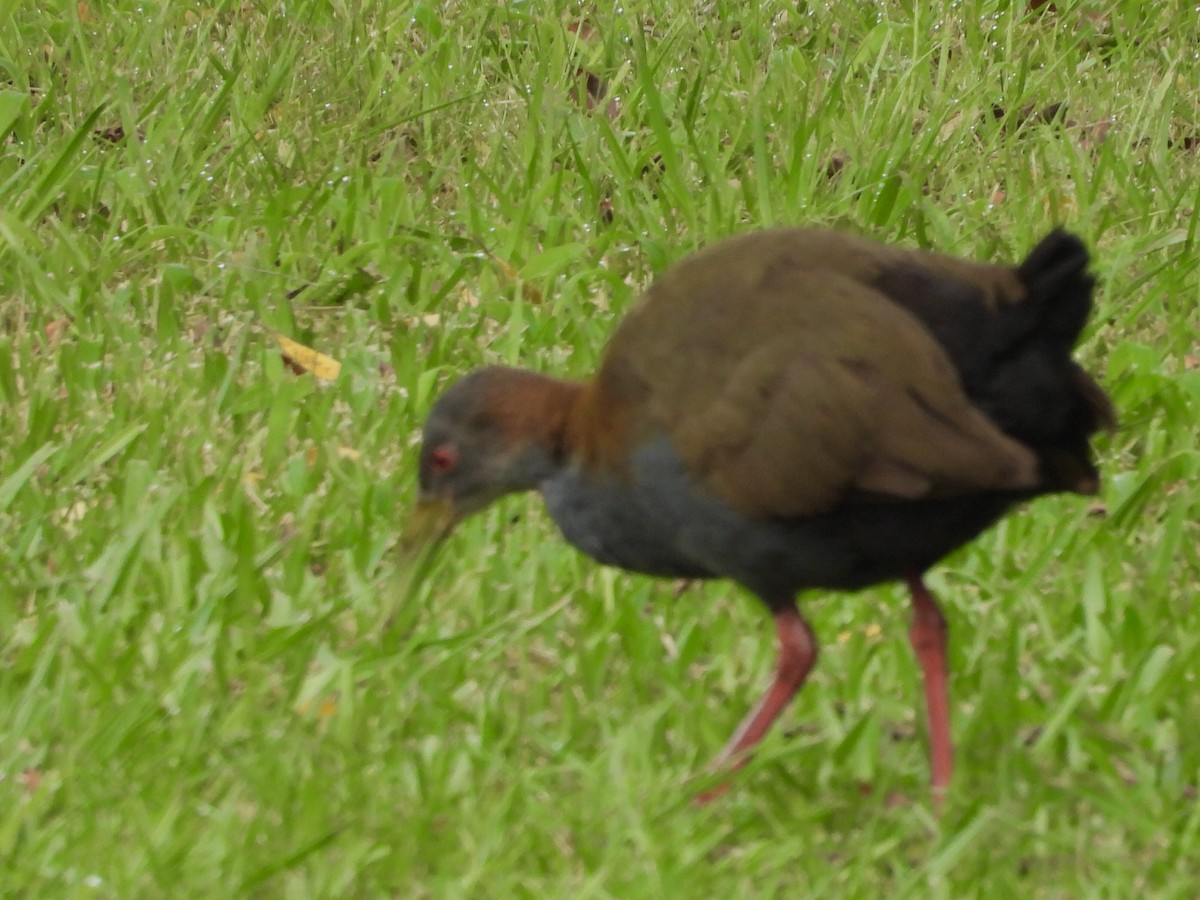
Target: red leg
{"x":797,"y":654}
{"x":928,"y":637}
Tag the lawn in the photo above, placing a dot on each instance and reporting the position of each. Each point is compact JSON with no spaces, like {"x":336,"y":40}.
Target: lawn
{"x":216,"y":677}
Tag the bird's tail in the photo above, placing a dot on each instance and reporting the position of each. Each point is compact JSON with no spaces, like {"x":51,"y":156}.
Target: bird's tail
{"x":1060,"y":289}
{"x":1038,"y":393}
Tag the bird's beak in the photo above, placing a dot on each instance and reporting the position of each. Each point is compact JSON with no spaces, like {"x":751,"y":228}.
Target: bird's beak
{"x":431,"y":521}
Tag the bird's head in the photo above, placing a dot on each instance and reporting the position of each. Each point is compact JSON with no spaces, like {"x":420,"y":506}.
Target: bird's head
{"x":496,"y":431}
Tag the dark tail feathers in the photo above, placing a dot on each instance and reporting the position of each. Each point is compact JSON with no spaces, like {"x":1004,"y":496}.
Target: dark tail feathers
{"x":1037,"y":392}
{"x":1060,"y":289}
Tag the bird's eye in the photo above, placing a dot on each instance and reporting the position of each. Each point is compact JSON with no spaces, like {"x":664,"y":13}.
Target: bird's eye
{"x":443,"y":458}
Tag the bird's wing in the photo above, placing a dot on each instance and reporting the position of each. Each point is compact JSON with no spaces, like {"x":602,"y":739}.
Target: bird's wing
{"x":796,"y":405}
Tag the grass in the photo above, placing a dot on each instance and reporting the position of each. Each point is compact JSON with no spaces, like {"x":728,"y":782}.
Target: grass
{"x":196,"y":698}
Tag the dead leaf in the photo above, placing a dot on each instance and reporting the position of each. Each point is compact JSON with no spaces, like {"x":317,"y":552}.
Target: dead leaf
{"x":114,"y":134}
{"x":432,"y":320}
{"x":1094,"y":135}
{"x":301,"y":359}
{"x":1059,"y":205}
{"x":505,"y":268}
{"x":508,"y":274}
{"x":1030,"y":114}
{"x":324,"y":710}
{"x":836,"y":163}
{"x":1047,"y":115}
{"x":56,"y":328}
{"x":1098,"y":22}
{"x":31,"y":778}
{"x":950,"y":127}
{"x":582,"y":29}
{"x":285,"y":150}
{"x":595,"y":90}
{"x":670,"y":648}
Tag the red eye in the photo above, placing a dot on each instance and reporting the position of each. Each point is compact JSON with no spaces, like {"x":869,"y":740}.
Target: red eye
{"x":442,"y":459}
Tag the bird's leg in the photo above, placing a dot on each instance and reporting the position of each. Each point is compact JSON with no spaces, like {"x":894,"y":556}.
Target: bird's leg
{"x":797,"y":654}
{"x":928,"y":637}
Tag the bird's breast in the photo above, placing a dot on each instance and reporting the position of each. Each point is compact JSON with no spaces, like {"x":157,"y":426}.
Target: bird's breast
{"x":656,"y":519}
{"x":631,"y":523}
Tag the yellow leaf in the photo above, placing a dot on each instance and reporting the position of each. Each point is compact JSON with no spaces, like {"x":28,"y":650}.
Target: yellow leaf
{"x":324,"y":710}
{"x":509,"y":274}
{"x":430,"y":319}
{"x":305,"y":359}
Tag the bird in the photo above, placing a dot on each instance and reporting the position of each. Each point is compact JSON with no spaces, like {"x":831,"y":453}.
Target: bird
{"x":792,"y":410}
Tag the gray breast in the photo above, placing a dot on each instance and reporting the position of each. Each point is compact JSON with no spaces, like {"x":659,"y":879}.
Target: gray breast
{"x":658,"y":522}
{"x":633,"y":524}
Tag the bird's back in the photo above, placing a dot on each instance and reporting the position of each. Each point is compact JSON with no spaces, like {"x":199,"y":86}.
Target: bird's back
{"x":803,"y":299}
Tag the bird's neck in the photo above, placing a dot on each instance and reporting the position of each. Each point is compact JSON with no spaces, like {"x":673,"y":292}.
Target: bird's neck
{"x":570,"y":422}
{"x":597,"y":429}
